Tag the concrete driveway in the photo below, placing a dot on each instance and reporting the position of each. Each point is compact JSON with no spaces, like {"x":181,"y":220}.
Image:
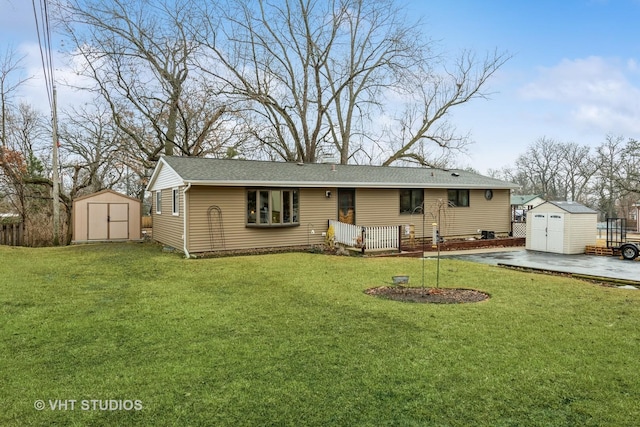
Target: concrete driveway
{"x":602,"y":266}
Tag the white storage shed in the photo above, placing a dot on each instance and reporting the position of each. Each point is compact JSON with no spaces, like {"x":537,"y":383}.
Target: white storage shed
{"x":561,"y":227}
{"x":106,"y":216}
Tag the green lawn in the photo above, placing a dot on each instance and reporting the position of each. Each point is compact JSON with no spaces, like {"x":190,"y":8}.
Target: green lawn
{"x":291,"y":339}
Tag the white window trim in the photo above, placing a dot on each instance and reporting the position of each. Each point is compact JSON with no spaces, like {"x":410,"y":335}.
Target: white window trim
{"x":175,"y":201}
{"x":159,"y":202}
{"x":294,"y":209}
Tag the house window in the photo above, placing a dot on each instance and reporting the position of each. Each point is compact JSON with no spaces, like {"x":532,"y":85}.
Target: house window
{"x":458,"y":198}
{"x":411,"y":200}
{"x":175,"y":201}
{"x":272,"y":207}
{"x":158,"y":201}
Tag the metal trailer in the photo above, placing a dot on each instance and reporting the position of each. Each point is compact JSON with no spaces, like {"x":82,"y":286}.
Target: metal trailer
{"x":617,"y":239}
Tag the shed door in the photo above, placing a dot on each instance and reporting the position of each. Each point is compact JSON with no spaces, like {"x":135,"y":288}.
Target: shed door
{"x":108,"y":221}
{"x":555,"y":233}
{"x":118,"y":221}
{"x":547,"y":232}
{"x":538,"y":232}
{"x":98,"y":221}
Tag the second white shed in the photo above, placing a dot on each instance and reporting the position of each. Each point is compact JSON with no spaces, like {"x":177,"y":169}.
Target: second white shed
{"x":561,"y":227}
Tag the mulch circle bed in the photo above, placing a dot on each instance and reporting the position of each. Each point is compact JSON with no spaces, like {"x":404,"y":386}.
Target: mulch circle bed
{"x":428,"y":295}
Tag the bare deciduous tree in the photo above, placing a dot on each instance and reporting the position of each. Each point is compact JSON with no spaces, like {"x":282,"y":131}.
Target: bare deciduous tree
{"x":140,"y":58}
{"x":541,"y":165}
{"x":575,"y":171}
{"x":614,"y":180}
{"x":21,"y":130}
{"x":606,"y":180}
{"x":24,"y":177}
{"x":10,"y":81}
{"x":320,"y":76}
{"x":92,"y":151}
{"x":554,"y":170}
{"x":629,"y":176}
{"x":423,"y":131}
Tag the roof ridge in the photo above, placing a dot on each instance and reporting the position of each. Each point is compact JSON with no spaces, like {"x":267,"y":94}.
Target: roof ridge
{"x":249,"y":172}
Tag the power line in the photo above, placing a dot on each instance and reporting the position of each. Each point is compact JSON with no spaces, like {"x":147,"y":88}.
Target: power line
{"x":44,"y":43}
{"x":46,"y":55}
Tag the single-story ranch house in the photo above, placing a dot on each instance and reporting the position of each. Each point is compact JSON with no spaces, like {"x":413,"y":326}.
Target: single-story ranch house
{"x":203,"y":205}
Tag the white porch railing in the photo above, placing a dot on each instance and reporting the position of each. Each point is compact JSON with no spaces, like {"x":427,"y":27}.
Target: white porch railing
{"x":382,"y":237}
{"x":374,"y":237}
{"x":346,"y":234}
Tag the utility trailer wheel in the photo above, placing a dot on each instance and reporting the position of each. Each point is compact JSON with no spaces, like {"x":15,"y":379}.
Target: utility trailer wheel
{"x":629,"y":252}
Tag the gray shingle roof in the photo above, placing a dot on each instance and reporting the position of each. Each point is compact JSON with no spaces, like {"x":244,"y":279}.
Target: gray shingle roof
{"x":205,"y":171}
{"x":573,"y":207}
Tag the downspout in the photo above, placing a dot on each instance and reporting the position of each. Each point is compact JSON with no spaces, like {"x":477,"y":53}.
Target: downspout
{"x":184,"y":221}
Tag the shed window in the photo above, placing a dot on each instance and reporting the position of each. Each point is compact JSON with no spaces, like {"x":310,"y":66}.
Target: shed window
{"x":158,"y":201}
{"x":175,"y":201}
{"x":411,"y":200}
{"x":458,"y":198}
{"x":272,"y":207}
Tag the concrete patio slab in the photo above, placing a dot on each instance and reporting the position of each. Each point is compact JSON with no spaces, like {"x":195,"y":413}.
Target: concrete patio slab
{"x":602,"y":266}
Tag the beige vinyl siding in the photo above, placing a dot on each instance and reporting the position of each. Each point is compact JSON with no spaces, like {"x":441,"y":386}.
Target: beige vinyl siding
{"x":315,"y":209}
{"x":168,"y":228}
{"x":374,"y":207}
{"x":377,"y":207}
{"x":381,"y":207}
{"x":481,"y":214}
{"x":580,"y":230}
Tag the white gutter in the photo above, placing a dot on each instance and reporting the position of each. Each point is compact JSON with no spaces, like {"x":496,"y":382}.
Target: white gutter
{"x":184,"y":221}
{"x":349,"y":184}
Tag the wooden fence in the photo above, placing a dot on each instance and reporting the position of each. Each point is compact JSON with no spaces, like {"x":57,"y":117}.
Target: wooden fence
{"x":12,"y":234}
{"x":369,"y":238}
{"x":147,"y":222}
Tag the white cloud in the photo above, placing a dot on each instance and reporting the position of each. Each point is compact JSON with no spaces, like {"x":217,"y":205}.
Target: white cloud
{"x":34,"y":91}
{"x":594,"y":93}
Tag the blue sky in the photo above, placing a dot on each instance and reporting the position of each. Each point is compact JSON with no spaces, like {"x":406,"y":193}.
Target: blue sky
{"x":574,"y":75}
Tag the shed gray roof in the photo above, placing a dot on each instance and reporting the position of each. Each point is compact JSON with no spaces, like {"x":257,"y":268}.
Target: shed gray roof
{"x":573,"y":207}
{"x":204,"y":171}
